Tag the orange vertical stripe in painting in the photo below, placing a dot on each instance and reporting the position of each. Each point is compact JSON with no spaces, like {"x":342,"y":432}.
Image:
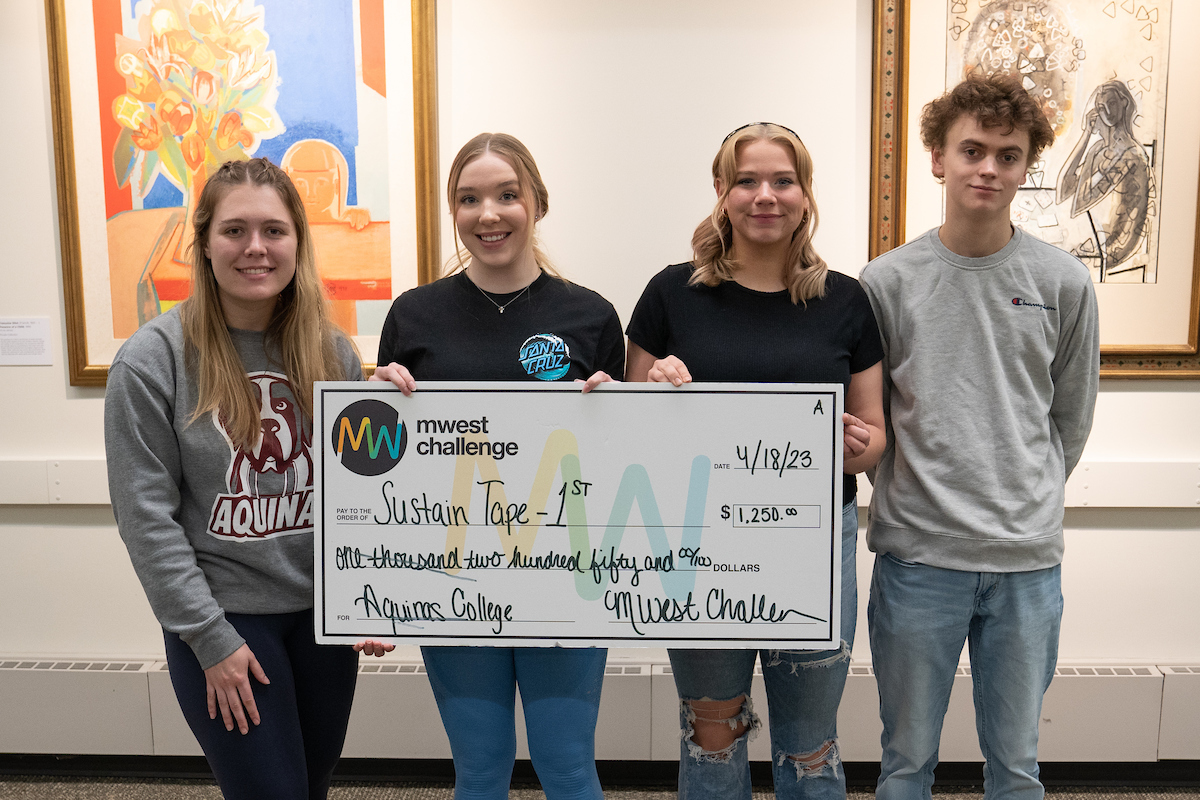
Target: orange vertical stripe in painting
{"x":107,"y":20}
{"x":370,"y":15}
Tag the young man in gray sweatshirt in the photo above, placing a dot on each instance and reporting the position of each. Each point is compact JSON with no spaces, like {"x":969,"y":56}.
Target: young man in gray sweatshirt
{"x":991,"y":366}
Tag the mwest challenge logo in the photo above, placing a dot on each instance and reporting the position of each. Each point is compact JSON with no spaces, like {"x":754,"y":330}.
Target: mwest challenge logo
{"x":369,"y":438}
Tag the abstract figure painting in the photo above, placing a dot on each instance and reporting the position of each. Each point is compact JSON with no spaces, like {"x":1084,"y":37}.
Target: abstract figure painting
{"x":1108,"y":162}
{"x":1099,"y":71}
{"x":151,"y":96}
{"x":1118,"y":189}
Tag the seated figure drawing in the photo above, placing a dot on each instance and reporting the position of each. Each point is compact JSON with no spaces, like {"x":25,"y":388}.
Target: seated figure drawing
{"x":1108,"y":162}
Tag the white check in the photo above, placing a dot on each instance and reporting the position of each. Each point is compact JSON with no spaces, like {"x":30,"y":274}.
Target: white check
{"x":533,"y":515}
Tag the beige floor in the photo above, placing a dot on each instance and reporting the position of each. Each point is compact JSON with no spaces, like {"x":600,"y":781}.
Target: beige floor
{"x":44,"y":788}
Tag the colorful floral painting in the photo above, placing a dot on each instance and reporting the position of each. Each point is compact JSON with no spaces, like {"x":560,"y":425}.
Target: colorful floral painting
{"x":185,"y":85}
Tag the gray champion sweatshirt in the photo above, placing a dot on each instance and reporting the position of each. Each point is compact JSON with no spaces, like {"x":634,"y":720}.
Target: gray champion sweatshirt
{"x":210,"y":527}
{"x":991,"y":369}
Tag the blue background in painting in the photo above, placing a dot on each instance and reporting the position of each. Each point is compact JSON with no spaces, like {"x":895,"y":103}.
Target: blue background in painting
{"x":313,"y":41}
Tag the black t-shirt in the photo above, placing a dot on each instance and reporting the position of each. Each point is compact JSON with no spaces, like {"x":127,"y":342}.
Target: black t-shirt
{"x":448,"y":330}
{"x":728,"y":333}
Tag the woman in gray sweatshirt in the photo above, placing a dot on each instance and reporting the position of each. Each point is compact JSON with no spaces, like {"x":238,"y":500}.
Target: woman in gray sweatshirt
{"x":207,"y":426}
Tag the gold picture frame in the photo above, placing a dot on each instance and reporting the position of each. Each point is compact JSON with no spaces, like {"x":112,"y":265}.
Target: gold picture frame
{"x":373,"y":259}
{"x":887,"y":212}
{"x":890,"y":101}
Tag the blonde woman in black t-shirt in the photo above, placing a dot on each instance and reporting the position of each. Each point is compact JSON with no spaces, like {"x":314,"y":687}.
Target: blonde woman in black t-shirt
{"x":757,"y":304}
{"x":502,"y":301}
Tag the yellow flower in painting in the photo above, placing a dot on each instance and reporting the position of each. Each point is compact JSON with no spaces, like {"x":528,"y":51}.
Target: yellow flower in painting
{"x":201,"y":19}
{"x":176,"y":112}
{"x":193,"y":148}
{"x":255,"y":39}
{"x":204,"y":123}
{"x":229,"y":33}
{"x":138,"y":80}
{"x":188,"y":52}
{"x":130,"y":66}
{"x":202,"y":56}
{"x":244,"y":70}
{"x":204,"y":88}
{"x":161,"y":59}
{"x":147,"y":137}
{"x":257,"y":119}
{"x":186,"y":79}
{"x":163,"y":20}
{"x":230,"y":132}
{"x":129,"y":111}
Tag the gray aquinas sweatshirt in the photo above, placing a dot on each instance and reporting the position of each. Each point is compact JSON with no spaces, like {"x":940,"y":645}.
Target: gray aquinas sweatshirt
{"x":210,"y":527}
{"x":991,"y":368}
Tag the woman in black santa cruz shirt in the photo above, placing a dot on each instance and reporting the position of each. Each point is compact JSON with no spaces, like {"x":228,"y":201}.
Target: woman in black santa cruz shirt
{"x":504,"y":314}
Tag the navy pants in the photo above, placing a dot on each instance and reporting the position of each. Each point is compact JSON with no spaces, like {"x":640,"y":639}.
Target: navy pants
{"x":291,"y":754}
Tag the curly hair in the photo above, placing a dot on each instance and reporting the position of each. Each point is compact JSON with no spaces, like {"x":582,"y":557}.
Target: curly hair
{"x":712,"y":242}
{"x":996,"y":101}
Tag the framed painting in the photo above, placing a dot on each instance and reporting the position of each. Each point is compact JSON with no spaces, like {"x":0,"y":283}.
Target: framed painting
{"x":1119,"y":188}
{"x":151,"y":96}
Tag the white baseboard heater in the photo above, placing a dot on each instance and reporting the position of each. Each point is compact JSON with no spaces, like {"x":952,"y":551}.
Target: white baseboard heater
{"x":1122,"y":713}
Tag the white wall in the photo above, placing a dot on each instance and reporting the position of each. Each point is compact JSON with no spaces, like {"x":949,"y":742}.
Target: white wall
{"x":624,"y":104}
{"x":66,"y":587}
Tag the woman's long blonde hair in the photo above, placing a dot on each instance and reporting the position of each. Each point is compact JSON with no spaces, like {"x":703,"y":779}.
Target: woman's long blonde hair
{"x":712,"y":243}
{"x":300,"y":330}
{"x":533,"y":191}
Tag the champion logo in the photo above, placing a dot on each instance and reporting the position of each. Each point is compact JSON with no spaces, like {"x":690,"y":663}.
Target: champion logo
{"x":1017,"y":301}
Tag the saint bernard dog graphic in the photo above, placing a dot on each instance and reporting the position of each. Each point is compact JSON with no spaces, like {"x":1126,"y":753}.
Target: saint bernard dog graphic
{"x":270,"y":484}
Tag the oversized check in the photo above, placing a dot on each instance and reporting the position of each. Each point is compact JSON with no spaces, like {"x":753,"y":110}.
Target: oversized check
{"x":532,"y":514}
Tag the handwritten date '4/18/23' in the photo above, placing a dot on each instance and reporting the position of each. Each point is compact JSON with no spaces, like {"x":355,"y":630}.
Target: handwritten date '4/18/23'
{"x":772,"y":460}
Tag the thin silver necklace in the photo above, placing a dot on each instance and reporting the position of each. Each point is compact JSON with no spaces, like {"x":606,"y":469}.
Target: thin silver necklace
{"x":516,"y":297}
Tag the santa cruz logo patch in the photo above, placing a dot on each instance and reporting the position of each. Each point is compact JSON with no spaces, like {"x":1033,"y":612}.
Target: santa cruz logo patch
{"x":545,"y":356}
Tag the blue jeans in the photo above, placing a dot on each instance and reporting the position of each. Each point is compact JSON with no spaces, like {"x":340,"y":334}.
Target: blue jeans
{"x":475,"y":689}
{"x":804,"y":689}
{"x":919,"y":617}
{"x":304,"y":710}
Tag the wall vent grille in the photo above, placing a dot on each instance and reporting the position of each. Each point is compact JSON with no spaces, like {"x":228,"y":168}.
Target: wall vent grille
{"x":1104,"y":672}
{"x":1181,"y":670}
{"x":383,"y":669}
{"x":963,"y":670}
{"x":627,"y":669}
{"x":76,"y":666}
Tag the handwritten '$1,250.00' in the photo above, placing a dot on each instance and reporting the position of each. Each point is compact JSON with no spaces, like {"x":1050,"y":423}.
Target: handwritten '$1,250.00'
{"x":530,"y":514}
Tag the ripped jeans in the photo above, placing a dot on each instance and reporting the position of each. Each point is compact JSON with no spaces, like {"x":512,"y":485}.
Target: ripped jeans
{"x":804,"y":689}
